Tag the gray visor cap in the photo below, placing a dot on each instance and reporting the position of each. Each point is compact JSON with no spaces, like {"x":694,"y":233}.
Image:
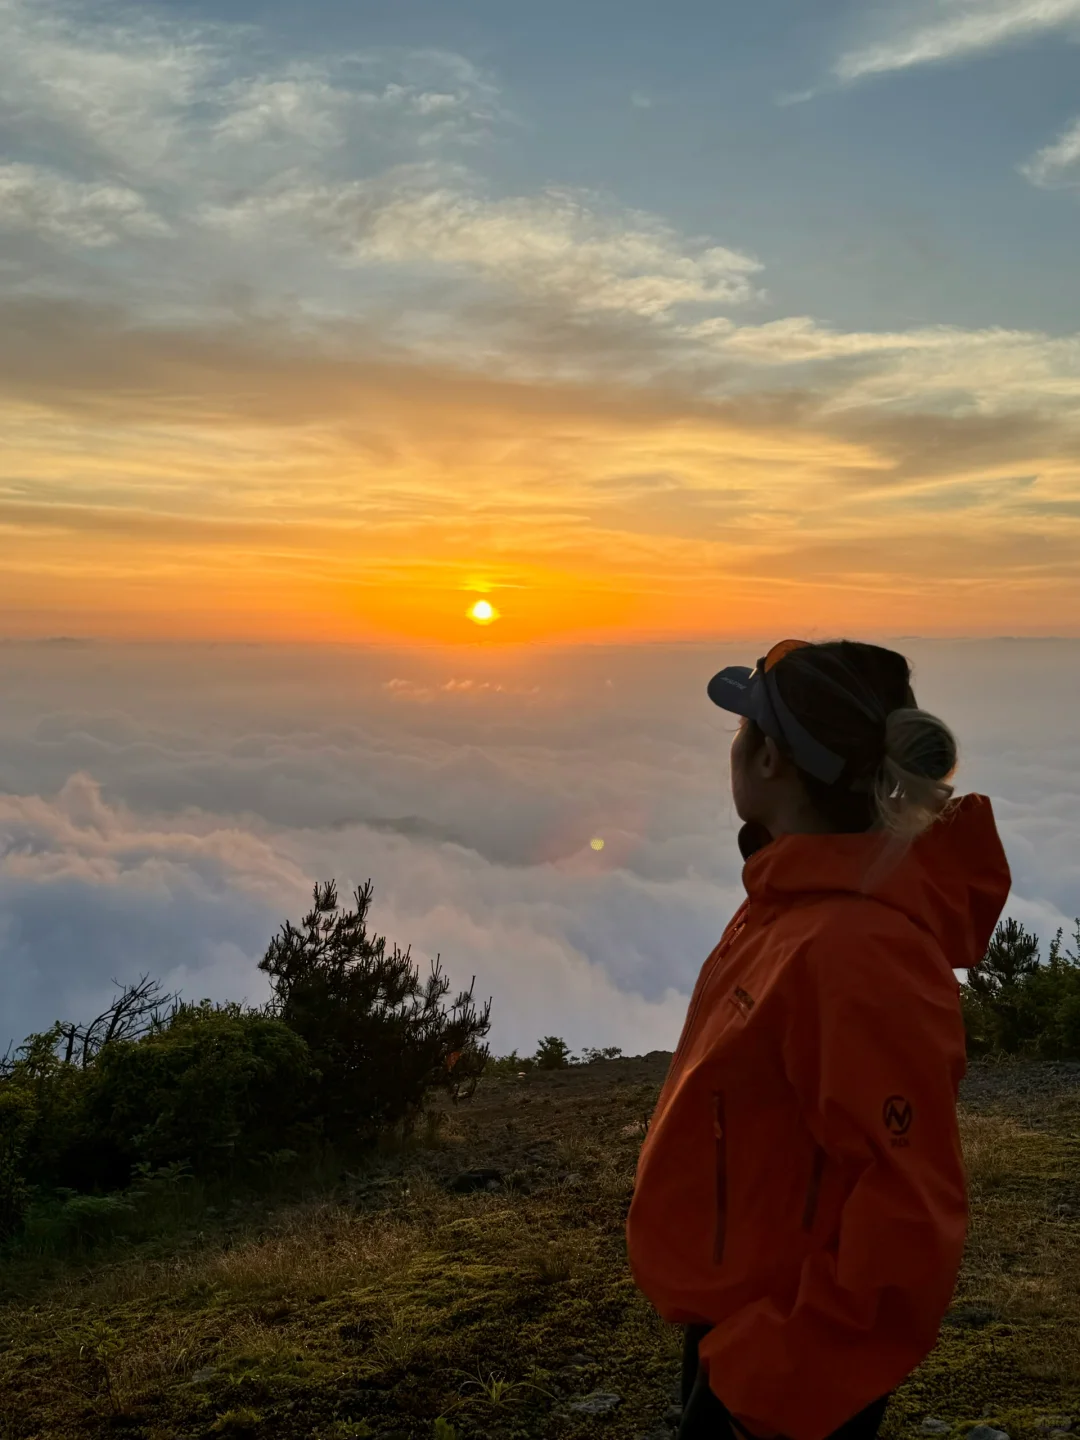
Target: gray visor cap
{"x":754,"y":694}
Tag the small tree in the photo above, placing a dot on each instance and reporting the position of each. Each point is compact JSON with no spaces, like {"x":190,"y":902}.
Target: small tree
{"x":380,"y":1040}
{"x":552,"y":1054}
{"x":1014,"y":1005}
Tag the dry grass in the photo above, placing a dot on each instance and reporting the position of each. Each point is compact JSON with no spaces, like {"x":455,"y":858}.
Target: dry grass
{"x":334,"y":1314}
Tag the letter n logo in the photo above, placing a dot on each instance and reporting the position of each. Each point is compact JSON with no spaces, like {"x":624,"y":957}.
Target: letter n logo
{"x":897,"y":1114}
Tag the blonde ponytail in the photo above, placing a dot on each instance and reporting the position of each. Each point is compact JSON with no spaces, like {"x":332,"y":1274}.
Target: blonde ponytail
{"x":911,"y":788}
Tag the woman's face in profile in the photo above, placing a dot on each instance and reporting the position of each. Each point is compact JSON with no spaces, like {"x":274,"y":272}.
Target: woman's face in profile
{"x":760,"y":778}
{"x":742,"y":781}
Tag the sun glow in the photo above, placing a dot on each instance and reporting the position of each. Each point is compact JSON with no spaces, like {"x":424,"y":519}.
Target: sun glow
{"x":482,"y":613}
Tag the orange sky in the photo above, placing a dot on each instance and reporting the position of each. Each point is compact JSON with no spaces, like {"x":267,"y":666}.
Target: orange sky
{"x":307,"y":334}
{"x":216,"y":486}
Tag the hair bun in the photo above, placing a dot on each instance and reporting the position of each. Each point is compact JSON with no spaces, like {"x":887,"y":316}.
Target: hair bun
{"x":920,"y":755}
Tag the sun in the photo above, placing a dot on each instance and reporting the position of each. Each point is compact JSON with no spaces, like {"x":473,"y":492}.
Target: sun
{"x":482,"y":613}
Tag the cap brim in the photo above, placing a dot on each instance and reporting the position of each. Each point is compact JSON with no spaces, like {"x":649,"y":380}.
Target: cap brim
{"x":733,"y":689}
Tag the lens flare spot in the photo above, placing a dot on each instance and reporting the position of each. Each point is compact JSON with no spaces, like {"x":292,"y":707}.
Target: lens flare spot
{"x":482,"y":613}
{"x":597,"y":843}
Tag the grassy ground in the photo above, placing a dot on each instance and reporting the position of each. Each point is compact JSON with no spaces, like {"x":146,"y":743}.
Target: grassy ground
{"x":390,"y":1302}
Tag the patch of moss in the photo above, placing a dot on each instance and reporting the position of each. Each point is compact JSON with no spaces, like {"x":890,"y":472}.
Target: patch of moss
{"x":241,"y":1422}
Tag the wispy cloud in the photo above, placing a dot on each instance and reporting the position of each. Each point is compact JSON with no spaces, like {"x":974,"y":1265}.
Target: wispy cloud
{"x":573,"y":246}
{"x":1057,"y":165}
{"x":354,"y":161}
{"x":989,"y":371}
{"x":39,"y":200}
{"x":177,"y":112}
{"x":950,"y":29}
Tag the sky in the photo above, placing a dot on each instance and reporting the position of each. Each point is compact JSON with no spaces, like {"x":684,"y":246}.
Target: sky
{"x":407,"y":405}
{"x":320,"y":323}
{"x":163,"y":808}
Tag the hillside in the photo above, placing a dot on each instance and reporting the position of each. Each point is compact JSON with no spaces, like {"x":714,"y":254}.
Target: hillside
{"x":374,"y":1305}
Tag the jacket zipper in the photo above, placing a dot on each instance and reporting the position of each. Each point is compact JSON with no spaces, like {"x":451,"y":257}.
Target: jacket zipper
{"x":810,"y":1209}
{"x":689,"y":1026}
{"x":720,"y":1143}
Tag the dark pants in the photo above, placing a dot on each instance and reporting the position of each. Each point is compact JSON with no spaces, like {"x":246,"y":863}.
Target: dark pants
{"x":705,"y":1416}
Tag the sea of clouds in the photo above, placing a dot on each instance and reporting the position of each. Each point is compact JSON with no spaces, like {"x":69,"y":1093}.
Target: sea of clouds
{"x":164,"y":808}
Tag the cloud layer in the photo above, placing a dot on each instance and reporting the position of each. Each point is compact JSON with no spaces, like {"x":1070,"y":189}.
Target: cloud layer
{"x":165,"y":808}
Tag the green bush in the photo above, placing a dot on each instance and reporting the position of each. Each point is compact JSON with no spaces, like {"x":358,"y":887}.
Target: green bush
{"x":216,"y":1086}
{"x":45,"y":1131}
{"x":1015,"y":1005}
{"x":16,"y":1121}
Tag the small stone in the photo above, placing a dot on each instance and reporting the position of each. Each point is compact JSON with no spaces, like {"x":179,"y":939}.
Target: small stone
{"x":572,"y":1179}
{"x":600,"y":1402}
{"x":200,"y":1377}
{"x":986,"y":1432}
{"x":1054,"y":1423}
{"x":933,"y":1426}
{"x":581,"y":1358}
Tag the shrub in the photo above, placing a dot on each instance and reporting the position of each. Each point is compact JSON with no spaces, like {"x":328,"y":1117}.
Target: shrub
{"x":216,"y":1086}
{"x":16,"y":1120}
{"x":379,"y":1040}
{"x":44,"y":1129}
{"x":1015,"y":1005}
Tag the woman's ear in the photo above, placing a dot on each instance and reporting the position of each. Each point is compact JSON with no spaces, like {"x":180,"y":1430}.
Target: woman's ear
{"x":769,"y":759}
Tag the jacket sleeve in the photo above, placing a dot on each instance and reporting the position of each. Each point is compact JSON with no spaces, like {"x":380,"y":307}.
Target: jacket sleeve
{"x":873,"y":1045}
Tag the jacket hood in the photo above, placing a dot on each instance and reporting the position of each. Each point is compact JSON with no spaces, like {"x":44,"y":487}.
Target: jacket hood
{"x":953,"y":881}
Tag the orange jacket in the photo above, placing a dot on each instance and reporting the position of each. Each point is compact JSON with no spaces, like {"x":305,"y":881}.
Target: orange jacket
{"x":801,"y":1188}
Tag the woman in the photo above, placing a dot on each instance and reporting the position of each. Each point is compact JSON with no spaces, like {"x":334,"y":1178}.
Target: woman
{"x":800,"y":1204}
